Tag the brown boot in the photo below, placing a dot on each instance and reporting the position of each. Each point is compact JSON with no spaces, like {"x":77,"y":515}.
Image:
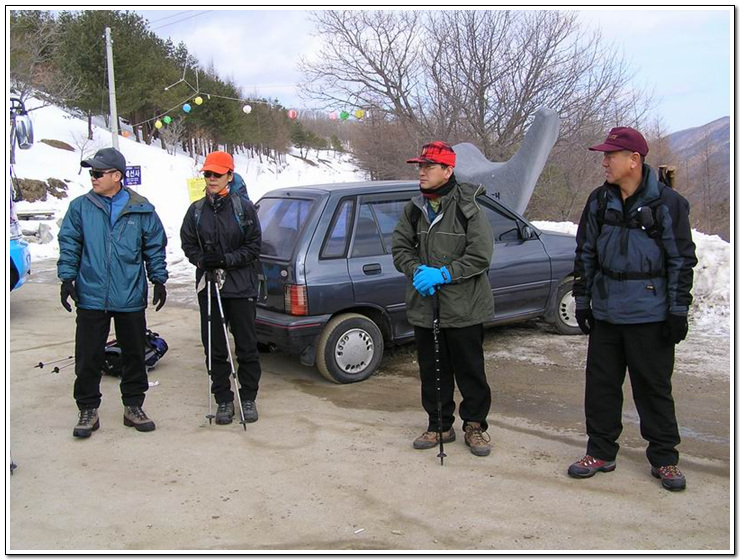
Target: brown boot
{"x":136,"y":417}
{"x":478,"y":440}
{"x":87,"y":424}
{"x":427,"y":440}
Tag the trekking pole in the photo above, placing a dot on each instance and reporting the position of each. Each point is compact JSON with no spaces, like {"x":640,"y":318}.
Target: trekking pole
{"x":57,"y":369}
{"x":42,"y":364}
{"x":435,"y":331}
{"x":231,"y":361}
{"x":209,"y":287}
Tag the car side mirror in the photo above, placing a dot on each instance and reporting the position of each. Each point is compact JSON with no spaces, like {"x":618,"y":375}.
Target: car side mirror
{"x":21,"y":123}
{"x":527,"y":233}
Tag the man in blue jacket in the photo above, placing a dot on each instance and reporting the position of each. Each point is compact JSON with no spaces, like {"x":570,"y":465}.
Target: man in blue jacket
{"x":634,"y":272}
{"x":111,"y":239}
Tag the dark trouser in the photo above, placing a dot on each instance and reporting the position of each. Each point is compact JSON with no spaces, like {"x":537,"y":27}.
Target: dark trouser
{"x":643,"y":350}
{"x":240,"y":315}
{"x":93,"y":328}
{"x":461,"y":360}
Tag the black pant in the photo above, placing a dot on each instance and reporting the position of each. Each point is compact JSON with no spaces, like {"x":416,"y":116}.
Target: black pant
{"x":93,"y":328}
{"x":461,"y":360}
{"x":643,"y":350}
{"x":240,"y":314}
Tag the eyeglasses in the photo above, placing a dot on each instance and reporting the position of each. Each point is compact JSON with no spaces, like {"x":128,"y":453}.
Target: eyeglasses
{"x":97,"y":174}
{"x":209,"y":174}
{"x":426,"y":166}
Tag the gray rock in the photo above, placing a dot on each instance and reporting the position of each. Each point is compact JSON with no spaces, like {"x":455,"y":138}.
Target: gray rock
{"x":512,"y":182}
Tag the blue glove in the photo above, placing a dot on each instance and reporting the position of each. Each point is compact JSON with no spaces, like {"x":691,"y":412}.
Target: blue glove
{"x":426,"y":278}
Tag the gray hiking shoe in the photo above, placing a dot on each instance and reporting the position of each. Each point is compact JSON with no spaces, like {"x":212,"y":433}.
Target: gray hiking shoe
{"x":87,"y":424}
{"x":250,"y":411}
{"x":135,"y":416}
{"x":427,"y":440}
{"x":589,"y":466}
{"x":670,"y":477}
{"x":477,"y":439}
{"x":225,"y":413}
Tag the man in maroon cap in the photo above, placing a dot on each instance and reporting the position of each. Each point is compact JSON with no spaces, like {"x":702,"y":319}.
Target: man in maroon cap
{"x":443,"y":244}
{"x":633,"y":267}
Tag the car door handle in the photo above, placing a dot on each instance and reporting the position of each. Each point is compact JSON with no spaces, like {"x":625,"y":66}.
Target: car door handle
{"x":372,"y":269}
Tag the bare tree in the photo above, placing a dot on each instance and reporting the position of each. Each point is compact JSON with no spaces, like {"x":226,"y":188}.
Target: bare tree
{"x":476,"y":76}
{"x":368,"y":60}
{"x":172,"y":134}
{"x":34,"y":42}
{"x":86,"y":145}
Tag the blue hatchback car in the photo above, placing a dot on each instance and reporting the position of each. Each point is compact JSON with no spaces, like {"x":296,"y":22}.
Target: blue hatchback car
{"x":19,"y":254}
{"x":335,"y":298}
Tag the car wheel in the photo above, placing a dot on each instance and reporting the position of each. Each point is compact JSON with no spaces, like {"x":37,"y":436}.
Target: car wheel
{"x":349,"y":349}
{"x":564,"y":313}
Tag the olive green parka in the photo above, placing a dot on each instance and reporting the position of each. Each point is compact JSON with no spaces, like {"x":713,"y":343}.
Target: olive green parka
{"x":467,"y":300}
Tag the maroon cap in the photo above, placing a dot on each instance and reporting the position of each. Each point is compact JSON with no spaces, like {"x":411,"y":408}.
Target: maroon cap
{"x":436,"y":152}
{"x":623,"y":138}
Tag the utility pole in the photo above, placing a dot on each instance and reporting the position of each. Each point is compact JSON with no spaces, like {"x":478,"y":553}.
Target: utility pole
{"x":111,"y":89}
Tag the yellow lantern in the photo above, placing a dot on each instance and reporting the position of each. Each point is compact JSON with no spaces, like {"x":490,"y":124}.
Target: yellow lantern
{"x":157,"y":124}
{"x":198,"y":100}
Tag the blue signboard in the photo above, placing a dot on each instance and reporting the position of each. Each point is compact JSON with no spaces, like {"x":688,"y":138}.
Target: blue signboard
{"x":133,"y":175}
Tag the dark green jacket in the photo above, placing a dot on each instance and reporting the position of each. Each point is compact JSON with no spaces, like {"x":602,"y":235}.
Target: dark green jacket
{"x":467,"y":300}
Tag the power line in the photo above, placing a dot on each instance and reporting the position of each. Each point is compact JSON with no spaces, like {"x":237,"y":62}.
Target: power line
{"x":168,"y":17}
{"x":180,"y":20}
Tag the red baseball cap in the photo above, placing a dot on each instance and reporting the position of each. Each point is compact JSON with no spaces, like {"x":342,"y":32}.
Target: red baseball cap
{"x":623,"y":138}
{"x":220,"y":162}
{"x":436,"y":152}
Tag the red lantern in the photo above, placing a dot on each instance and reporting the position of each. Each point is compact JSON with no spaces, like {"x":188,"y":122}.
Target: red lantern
{"x":292,"y":114}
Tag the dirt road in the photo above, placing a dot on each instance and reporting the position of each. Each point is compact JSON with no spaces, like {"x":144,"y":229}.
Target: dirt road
{"x":331,"y":467}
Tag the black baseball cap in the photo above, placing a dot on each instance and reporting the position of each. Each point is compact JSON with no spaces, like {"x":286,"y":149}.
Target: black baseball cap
{"x":107,"y":158}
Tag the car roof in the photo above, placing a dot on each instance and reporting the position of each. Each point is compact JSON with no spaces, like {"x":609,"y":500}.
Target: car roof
{"x":347,"y":188}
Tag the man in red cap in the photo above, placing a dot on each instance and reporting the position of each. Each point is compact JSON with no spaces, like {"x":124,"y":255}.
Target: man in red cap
{"x":443,"y":244}
{"x":221,"y":232}
{"x":633,"y":267}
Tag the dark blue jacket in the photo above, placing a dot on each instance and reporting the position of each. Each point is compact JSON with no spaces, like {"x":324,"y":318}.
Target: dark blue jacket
{"x":609,"y":255}
{"x":110,"y":263}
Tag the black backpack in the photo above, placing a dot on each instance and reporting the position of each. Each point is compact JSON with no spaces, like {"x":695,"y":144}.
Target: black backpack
{"x":156,"y":347}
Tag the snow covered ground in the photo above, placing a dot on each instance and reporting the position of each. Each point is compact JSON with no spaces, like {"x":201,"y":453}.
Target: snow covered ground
{"x":164,"y":183}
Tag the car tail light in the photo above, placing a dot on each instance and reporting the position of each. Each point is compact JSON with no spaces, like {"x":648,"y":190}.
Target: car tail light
{"x":296,"y":299}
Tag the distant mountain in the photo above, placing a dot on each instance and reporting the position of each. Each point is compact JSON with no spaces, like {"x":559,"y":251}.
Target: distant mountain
{"x":702,"y":156}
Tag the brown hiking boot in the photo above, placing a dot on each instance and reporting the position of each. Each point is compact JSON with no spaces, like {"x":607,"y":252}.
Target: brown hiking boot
{"x":87,"y":424}
{"x":135,"y":416}
{"x":478,"y":440}
{"x":427,"y":440}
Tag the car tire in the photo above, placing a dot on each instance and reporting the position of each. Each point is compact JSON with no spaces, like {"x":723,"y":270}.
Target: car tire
{"x":349,"y":349}
{"x":563,"y":315}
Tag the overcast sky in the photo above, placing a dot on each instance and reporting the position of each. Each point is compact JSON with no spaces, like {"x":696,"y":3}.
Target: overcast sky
{"x":683,"y":55}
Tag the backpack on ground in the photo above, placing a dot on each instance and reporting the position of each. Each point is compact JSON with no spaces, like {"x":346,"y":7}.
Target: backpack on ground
{"x":155,"y":348}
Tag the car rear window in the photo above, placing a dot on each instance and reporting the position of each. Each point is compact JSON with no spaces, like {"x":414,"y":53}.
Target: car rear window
{"x":282,"y":220}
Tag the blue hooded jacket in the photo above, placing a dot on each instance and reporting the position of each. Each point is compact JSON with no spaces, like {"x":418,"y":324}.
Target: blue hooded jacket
{"x":110,"y":262}
{"x":614,"y":248}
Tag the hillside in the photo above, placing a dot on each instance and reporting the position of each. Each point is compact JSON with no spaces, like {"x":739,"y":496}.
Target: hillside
{"x":53,"y":164}
{"x":702,"y":159}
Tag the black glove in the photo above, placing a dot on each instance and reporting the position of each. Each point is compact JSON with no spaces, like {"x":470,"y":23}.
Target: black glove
{"x":68,"y":290}
{"x":160,"y":296}
{"x":676,"y":328}
{"x":585,"y":320}
{"x":212,"y":261}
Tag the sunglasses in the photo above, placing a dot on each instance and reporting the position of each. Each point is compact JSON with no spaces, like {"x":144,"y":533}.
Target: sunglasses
{"x":426,"y":166}
{"x":209,"y":174}
{"x":97,"y":174}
